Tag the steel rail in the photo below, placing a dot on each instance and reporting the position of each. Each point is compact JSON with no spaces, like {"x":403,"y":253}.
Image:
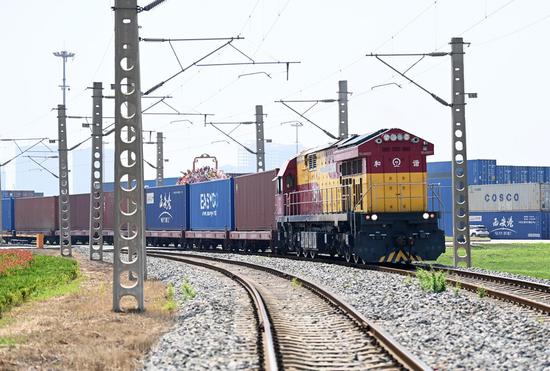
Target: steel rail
{"x":265,"y":328}
{"x":410,"y":270}
{"x":384,"y":339}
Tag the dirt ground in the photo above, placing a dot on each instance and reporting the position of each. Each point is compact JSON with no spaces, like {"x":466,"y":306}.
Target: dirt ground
{"x":79,"y":331}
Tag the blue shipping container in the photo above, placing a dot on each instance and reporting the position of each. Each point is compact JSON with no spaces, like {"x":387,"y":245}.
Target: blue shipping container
{"x":479,"y":171}
{"x":513,"y":225}
{"x":150,"y":183}
{"x":212,"y":205}
{"x":166,"y":208}
{"x":504,"y":174}
{"x":8,"y":214}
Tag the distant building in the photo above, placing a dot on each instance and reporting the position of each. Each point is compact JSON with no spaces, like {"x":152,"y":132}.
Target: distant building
{"x":35,"y":168}
{"x":80,"y":166}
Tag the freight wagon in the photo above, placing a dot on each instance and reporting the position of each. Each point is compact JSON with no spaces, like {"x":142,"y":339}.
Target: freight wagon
{"x":363,"y":198}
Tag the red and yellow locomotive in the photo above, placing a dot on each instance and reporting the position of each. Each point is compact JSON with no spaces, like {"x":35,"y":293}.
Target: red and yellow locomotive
{"x":363,"y":197}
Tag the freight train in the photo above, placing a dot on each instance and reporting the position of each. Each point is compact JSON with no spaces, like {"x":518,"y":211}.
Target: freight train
{"x":363,"y":198}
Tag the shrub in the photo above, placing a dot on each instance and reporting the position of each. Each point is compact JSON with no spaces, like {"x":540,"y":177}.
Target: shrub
{"x":481,"y":292}
{"x":431,"y":281}
{"x":187,"y":291}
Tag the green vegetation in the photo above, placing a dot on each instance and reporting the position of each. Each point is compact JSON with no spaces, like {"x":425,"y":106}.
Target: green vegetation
{"x":481,"y":292}
{"x":529,"y":259}
{"x":187,"y":291}
{"x":457,"y":288}
{"x":44,"y":277}
{"x":170,"y":304}
{"x":10,"y":340}
{"x":295,"y":282}
{"x":431,"y":281}
{"x":408,"y":280}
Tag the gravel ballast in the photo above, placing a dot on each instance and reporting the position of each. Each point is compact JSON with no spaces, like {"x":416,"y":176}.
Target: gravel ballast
{"x":216,"y":330}
{"x":446,"y":330}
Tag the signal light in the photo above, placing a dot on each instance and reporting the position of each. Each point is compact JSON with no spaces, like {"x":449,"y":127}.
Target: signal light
{"x":374,"y":217}
{"x":426,"y":216}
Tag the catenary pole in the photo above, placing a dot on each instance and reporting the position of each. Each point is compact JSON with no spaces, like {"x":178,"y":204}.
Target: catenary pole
{"x":129,"y":214}
{"x":461,"y":227}
{"x":96,"y":186}
{"x":343,"y":109}
{"x":260,"y":142}
{"x":65,"y":246}
{"x":160,"y":160}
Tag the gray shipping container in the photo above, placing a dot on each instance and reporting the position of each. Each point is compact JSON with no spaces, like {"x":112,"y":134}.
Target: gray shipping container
{"x":510,"y":197}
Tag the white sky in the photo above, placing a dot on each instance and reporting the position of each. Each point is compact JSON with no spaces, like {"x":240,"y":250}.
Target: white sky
{"x":507,"y":65}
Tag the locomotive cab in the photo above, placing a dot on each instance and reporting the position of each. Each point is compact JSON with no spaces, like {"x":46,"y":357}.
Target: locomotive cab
{"x":364,"y":198}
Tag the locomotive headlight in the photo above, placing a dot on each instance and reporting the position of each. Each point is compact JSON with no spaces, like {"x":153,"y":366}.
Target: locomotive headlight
{"x":374,"y":217}
{"x":393,"y":137}
{"x":406,"y":136}
{"x":386,"y":137}
{"x":399,"y":136}
{"x":432,"y":215}
{"x":426,"y":216}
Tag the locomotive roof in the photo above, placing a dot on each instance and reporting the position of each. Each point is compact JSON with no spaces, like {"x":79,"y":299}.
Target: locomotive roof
{"x":358,"y":139}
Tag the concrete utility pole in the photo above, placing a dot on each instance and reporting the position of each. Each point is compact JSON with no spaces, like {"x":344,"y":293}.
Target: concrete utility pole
{"x":260,"y":142}
{"x":460,"y":209}
{"x":461,"y":218}
{"x":160,"y":160}
{"x":64,"y":204}
{"x":129,"y":219}
{"x":96,"y":186}
{"x":65,"y":55}
{"x":343,"y":109}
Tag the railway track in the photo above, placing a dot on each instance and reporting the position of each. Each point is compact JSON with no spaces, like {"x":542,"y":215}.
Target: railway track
{"x":302,"y":326}
{"x":535,"y":296}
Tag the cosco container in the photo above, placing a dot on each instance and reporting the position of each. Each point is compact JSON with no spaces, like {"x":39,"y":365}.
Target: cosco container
{"x":536,"y":174}
{"x":8,"y":213}
{"x":255,"y":201}
{"x":511,"y":225}
{"x":509,"y":197}
{"x":212,"y":205}
{"x":166,"y":208}
{"x":37,"y":214}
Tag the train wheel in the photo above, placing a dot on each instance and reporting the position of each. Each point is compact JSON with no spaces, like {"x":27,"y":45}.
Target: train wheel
{"x":355,"y":258}
{"x":312,"y":254}
{"x":347,"y":254}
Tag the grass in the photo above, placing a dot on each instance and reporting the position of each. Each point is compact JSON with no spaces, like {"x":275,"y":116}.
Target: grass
{"x":431,"y":281}
{"x":529,"y":259}
{"x":44,"y":277}
{"x":170,"y":304}
{"x":295,"y":282}
{"x":6,"y":341}
{"x":481,"y":292}
{"x":187,"y":291}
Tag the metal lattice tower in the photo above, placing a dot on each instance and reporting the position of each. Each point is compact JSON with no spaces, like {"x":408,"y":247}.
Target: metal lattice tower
{"x":129,"y":214}
{"x":343,"y":109}
{"x":96,"y":187}
{"x":260,"y":142}
{"x":461,"y":227}
{"x":65,"y":246}
{"x":160,"y":160}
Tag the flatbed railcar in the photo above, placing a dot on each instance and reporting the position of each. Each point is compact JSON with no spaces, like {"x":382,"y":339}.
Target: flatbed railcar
{"x":363,"y":198}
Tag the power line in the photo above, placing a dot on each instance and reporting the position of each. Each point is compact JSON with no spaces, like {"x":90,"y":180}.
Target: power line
{"x":487,"y":16}
{"x":414,"y":19}
{"x":517,"y":30}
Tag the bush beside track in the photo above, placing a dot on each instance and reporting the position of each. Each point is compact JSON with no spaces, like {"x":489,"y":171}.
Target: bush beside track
{"x":32,"y":277}
{"x":529,"y":259}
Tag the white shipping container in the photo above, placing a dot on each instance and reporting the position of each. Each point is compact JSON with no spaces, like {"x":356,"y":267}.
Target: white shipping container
{"x":509,"y":197}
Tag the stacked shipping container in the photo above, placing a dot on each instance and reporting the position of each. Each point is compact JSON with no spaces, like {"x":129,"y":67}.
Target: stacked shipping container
{"x":486,"y":172}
